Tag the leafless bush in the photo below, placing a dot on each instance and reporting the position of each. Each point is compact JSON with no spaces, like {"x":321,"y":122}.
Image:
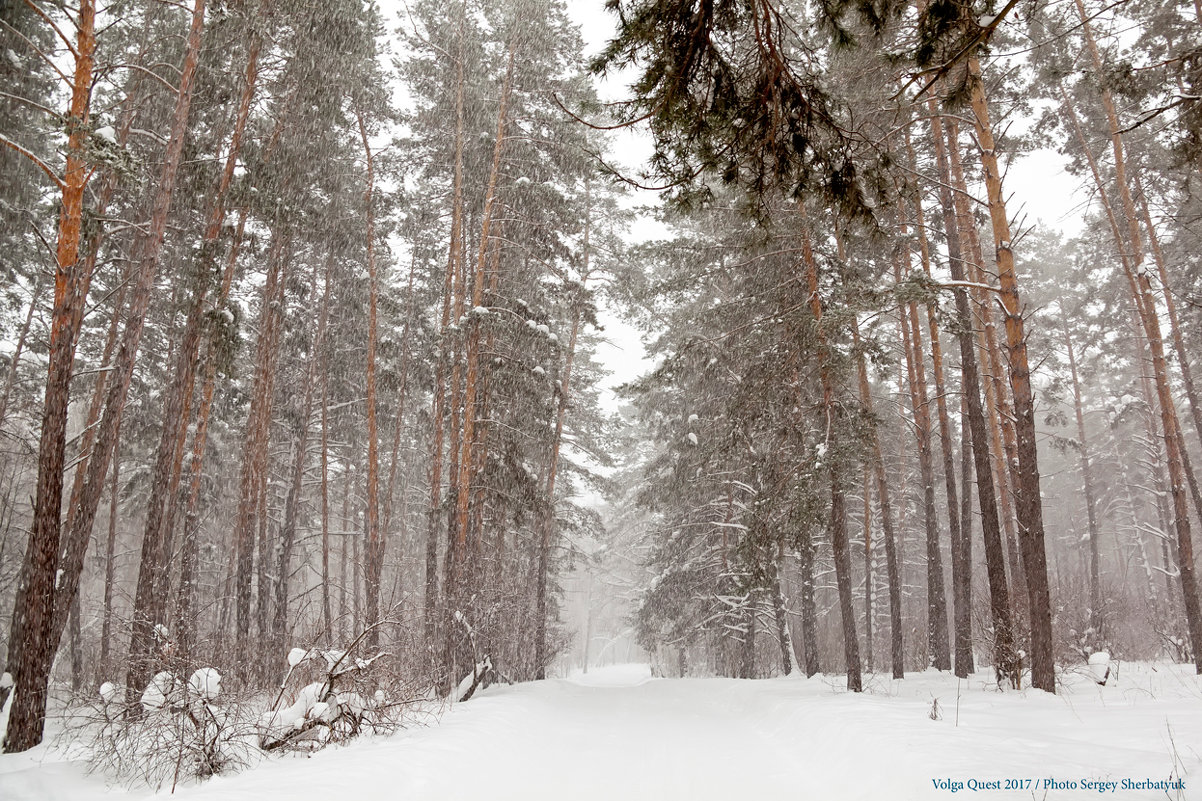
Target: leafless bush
{"x":347,"y":693}
{"x":176,"y":731}
{"x":171,"y":732}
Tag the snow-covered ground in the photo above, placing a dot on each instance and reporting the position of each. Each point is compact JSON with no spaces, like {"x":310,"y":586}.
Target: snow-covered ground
{"x":618,"y":733}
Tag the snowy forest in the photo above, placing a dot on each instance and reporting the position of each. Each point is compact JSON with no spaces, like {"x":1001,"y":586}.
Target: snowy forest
{"x":359,"y":359}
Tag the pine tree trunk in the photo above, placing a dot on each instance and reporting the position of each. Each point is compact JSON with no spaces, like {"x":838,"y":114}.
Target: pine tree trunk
{"x":292,"y":502}
{"x":838,"y":518}
{"x":780,"y":614}
{"x":1028,"y":505}
{"x":448,"y":355}
{"x":148,"y":248}
{"x":103,"y":667}
{"x":76,"y":645}
{"x":1005,"y":658}
{"x":548,"y":518}
{"x":253,"y":479}
{"x":347,"y":537}
{"x":869,"y":661}
{"x":471,"y":381}
{"x":399,"y":422}
{"x":151,"y":600}
{"x":998,"y":411}
{"x":31,"y":647}
{"x":938,"y":649}
{"x":375,"y":538}
{"x":961,"y":569}
{"x":809,"y":611}
{"x":326,"y":615}
{"x":1095,"y":590}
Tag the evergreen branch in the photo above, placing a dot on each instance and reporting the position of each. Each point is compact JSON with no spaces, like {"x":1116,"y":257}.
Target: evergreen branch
{"x":4,"y":140}
{"x":151,"y":73}
{"x":67,"y":80}
{"x":53,"y":26}
{"x":979,"y":38}
{"x":33,"y":104}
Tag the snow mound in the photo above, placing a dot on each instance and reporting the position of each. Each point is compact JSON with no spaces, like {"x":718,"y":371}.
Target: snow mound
{"x":205,"y":684}
{"x":155,"y":694}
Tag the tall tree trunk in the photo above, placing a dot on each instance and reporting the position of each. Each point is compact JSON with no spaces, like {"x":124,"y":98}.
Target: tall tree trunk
{"x":961,"y":569}
{"x":838,"y":518}
{"x":327,"y":617}
{"x":896,"y":650}
{"x":253,"y":479}
{"x":31,"y":647}
{"x":869,"y":660}
{"x":347,"y":537}
{"x":938,"y":648}
{"x":780,"y":614}
{"x":151,"y":599}
{"x":747,"y":667}
{"x":399,"y":422}
{"x":471,"y":381}
{"x":1095,"y":591}
{"x":375,"y":538}
{"x":448,"y":355}
{"x":1005,"y":657}
{"x":809,"y":612}
{"x":149,"y":247}
{"x":103,"y":667}
{"x":1028,"y":505}
{"x":76,"y":641}
{"x":998,"y":411}
{"x":547,"y":526}
{"x":300,"y":457}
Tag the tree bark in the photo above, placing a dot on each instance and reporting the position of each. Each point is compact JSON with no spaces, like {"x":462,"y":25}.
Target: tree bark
{"x":896,"y":650}
{"x":151,"y":599}
{"x":938,"y":650}
{"x":31,"y":646}
{"x":1005,"y":658}
{"x":1096,"y":619}
{"x":998,"y":410}
{"x":838,"y":517}
{"x":961,"y":569}
{"x":253,"y":479}
{"x":149,"y":247}
{"x":1028,"y":505}
{"x":110,"y":563}
{"x":375,"y":539}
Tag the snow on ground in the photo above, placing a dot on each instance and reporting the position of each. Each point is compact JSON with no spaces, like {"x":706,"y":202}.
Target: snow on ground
{"x":618,"y":733}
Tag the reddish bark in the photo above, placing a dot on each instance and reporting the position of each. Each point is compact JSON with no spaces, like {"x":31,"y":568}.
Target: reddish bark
{"x":1028,"y":506}
{"x":31,"y":646}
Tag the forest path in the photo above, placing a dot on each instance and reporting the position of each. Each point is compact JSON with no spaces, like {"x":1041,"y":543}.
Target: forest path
{"x":612,"y":734}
